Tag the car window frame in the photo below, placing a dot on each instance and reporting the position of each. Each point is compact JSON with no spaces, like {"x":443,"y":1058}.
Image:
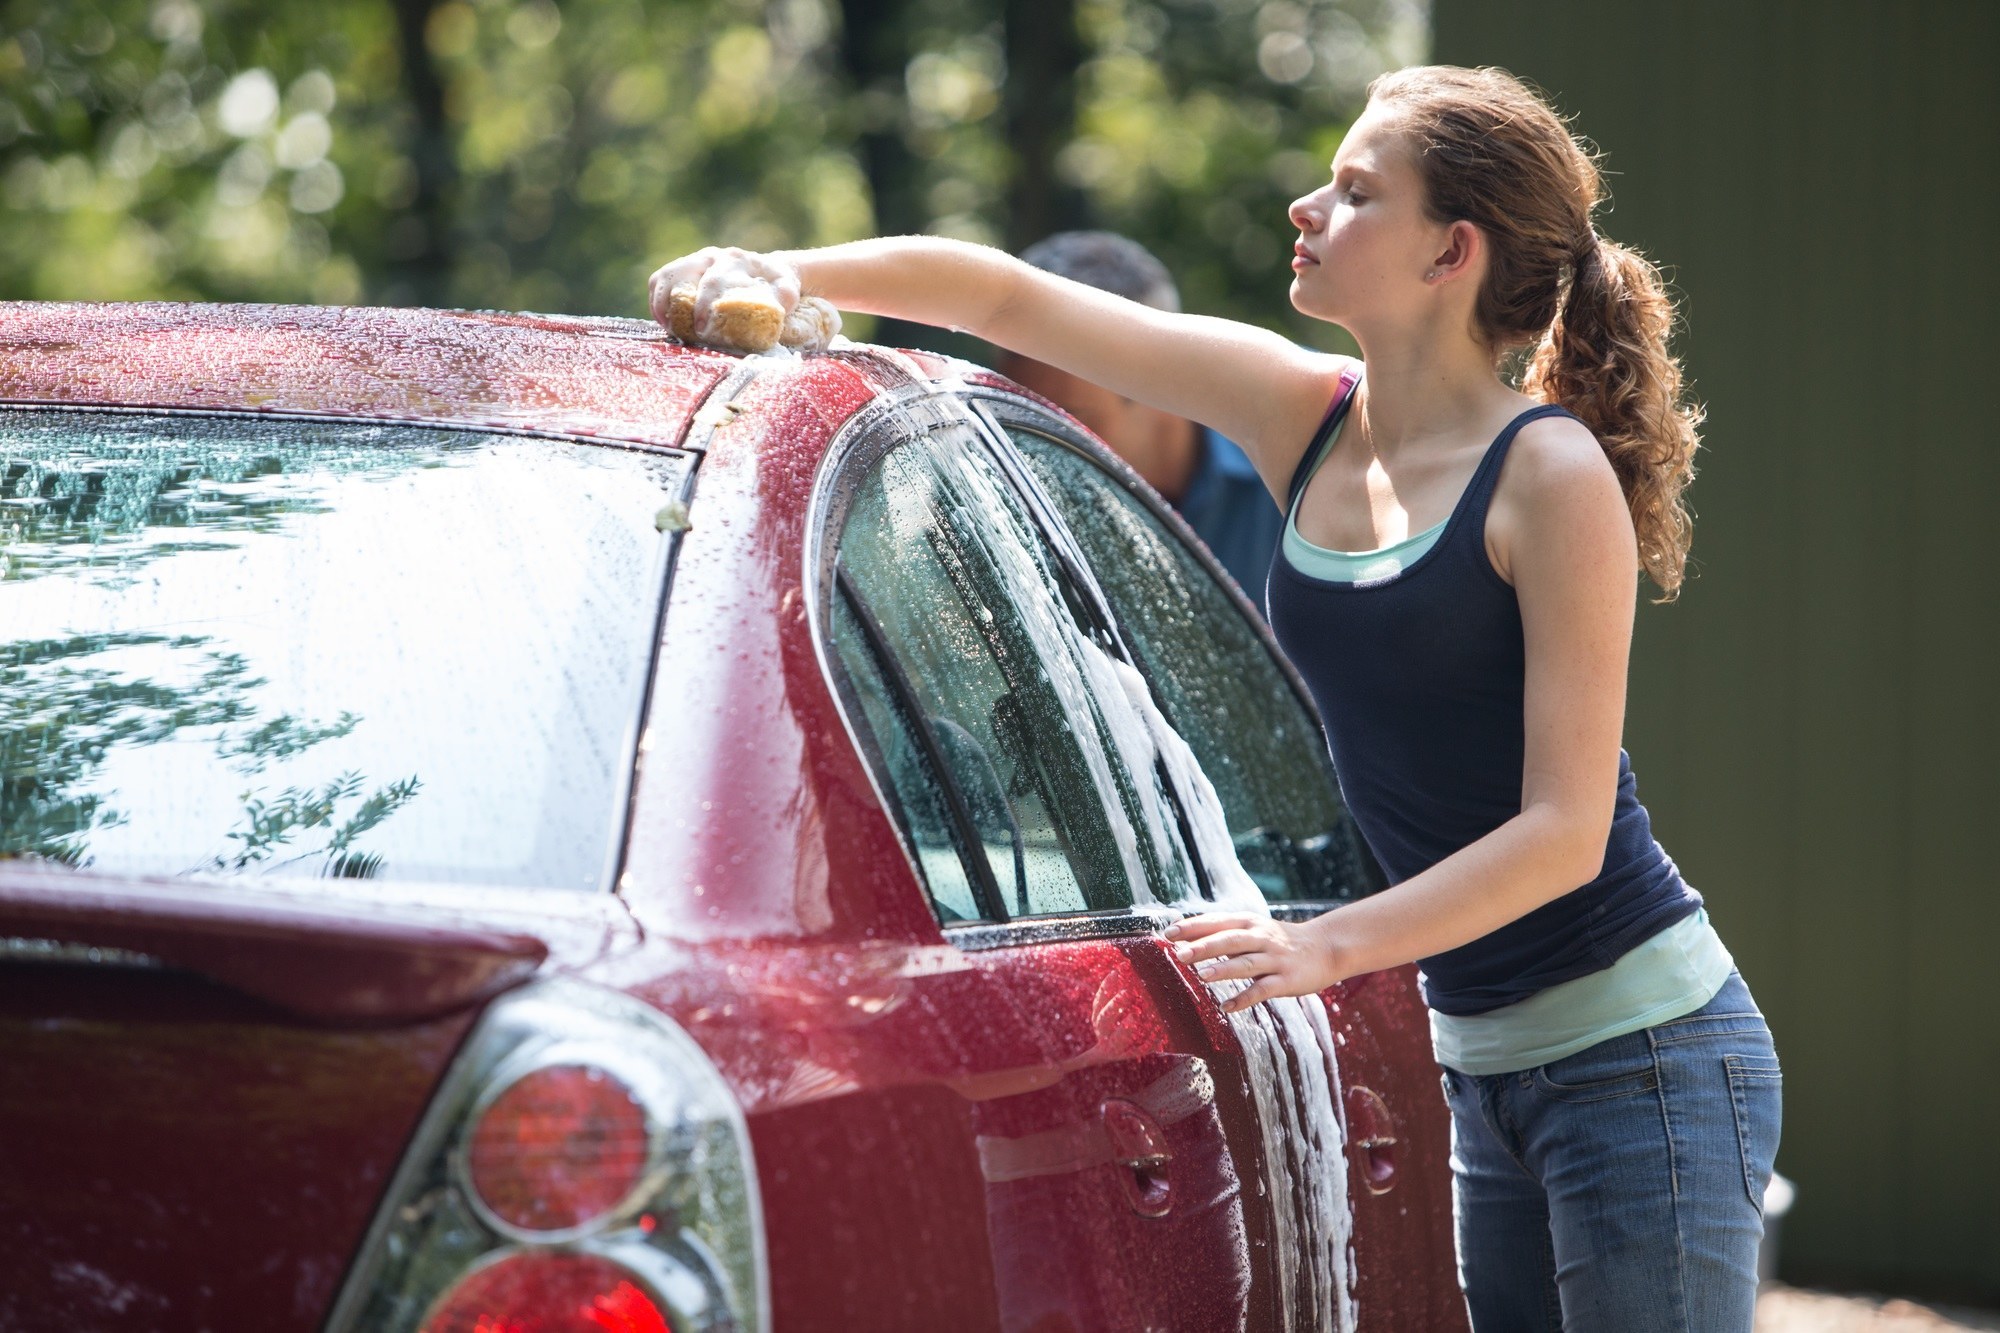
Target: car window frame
{"x":666,"y":562}
{"x":895,"y":417}
{"x":1003,"y":409}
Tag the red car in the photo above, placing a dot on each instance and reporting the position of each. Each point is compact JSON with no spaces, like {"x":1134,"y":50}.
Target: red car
{"x":511,"y":823}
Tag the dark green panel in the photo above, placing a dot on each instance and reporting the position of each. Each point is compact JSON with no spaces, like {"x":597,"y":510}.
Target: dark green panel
{"x":1814,"y":724}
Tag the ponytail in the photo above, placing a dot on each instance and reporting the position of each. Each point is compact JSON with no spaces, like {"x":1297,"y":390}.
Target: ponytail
{"x":1605,"y":358}
{"x":1494,"y":153}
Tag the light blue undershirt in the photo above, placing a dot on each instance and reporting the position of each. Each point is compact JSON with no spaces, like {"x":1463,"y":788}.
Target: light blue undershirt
{"x":1377,"y":566}
{"x":1668,"y":976}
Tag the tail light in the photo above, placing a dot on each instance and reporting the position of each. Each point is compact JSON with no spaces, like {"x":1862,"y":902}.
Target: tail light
{"x":556,"y":1150}
{"x":551,"y":1292}
{"x":583,"y":1168}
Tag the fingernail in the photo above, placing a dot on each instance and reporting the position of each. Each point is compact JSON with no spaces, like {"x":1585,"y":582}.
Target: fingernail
{"x":1181,"y":951}
{"x":1203,"y":969}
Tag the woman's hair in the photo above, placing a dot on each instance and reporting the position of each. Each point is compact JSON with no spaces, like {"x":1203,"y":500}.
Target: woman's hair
{"x":1493,"y":153}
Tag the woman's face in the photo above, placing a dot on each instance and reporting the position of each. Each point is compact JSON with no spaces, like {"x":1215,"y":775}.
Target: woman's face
{"x":1365,"y":242}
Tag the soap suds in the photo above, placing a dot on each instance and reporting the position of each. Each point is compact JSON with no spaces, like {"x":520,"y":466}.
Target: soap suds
{"x":1289,"y":1048}
{"x":746,"y":304}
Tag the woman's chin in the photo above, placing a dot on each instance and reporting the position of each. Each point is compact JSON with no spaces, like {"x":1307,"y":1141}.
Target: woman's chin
{"x":1309,"y":303}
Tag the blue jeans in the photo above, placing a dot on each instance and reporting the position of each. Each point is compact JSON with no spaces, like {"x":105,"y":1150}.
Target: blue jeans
{"x":1620,"y":1188}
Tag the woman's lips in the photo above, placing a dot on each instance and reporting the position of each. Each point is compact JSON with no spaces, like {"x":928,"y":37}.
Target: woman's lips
{"x":1302,"y":257}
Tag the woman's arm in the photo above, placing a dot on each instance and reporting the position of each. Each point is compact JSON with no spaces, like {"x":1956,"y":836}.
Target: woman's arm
{"x":1258,"y":388}
{"x":1566,"y":542}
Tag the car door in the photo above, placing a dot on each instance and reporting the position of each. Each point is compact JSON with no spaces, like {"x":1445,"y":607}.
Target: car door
{"x":1122,"y":1159}
{"x":1219,"y":679}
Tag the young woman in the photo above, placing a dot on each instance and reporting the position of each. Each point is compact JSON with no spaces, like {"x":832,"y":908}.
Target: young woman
{"x":1456,"y":586}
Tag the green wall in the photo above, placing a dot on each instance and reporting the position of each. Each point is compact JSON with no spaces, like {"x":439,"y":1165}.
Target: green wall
{"x":1815,"y":725}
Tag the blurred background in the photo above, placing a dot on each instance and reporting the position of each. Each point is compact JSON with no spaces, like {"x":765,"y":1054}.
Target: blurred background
{"x":1815,"y":722}
{"x":524,"y":154}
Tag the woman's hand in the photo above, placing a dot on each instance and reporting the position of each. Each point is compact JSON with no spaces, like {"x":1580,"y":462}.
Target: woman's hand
{"x":740,"y":300}
{"x":714,"y":269}
{"x":1275,"y":957}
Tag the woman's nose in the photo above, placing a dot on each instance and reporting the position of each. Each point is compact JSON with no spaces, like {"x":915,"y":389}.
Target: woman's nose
{"x":1304,"y":214}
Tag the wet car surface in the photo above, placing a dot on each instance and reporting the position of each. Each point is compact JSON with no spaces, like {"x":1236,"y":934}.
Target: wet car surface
{"x":509,"y":817}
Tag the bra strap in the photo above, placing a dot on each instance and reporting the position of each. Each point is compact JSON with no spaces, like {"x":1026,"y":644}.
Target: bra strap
{"x":1343,"y":396}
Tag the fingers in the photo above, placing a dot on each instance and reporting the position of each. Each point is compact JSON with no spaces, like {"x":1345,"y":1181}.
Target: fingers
{"x":1236,"y":967}
{"x":687,"y":269}
{"x":1264,"y":988}
{"x":1195,"y":927}
{"x":1220,"y":942}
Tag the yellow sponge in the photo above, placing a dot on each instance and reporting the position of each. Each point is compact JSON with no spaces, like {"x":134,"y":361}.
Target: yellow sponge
{"x":748,"y":319}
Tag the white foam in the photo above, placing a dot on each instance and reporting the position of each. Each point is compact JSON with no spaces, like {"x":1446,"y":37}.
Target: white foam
{"x":1288,"y":1045}
{"x":1294,"y":1069}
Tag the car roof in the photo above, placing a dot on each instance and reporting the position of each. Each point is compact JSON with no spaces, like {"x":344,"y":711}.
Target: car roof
{"x":609,"y":378}
{"x":619,"y":379}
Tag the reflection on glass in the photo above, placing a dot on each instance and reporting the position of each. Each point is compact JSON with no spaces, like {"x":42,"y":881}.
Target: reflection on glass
{"x":1217,"y":684}
{"x":255,"y":646}
{"x":912,"y":784}
{"x":1056,"y":771}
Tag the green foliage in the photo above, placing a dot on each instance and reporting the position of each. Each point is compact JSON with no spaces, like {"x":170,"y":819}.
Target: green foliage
{"x":60,"y":716}
{"x":529,"y":155}
{"x":280,"y":738}
{"x":272,"y":824}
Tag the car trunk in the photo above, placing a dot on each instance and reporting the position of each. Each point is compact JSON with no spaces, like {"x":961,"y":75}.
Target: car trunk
{"x":207,"y":1089}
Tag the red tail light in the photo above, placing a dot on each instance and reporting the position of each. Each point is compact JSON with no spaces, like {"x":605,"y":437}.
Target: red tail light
{"x":583,"y":1168}
{"x":548,"y":1291}
{"x":561,"y":1147}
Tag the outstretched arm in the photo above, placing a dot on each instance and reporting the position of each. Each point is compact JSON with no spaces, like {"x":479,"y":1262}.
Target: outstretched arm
{"x":1258,"y":388}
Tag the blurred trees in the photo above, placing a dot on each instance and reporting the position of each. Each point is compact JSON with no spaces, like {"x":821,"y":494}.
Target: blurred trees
{"x":533,"y":155}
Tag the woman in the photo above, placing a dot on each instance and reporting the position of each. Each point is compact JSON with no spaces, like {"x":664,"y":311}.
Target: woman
{"x":1456,"y":586}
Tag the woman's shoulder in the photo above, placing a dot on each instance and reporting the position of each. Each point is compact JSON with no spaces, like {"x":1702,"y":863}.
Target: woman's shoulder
{"x":1316,"y":383}
{"x":1556,"y":483}
{"x":1555,"y":453}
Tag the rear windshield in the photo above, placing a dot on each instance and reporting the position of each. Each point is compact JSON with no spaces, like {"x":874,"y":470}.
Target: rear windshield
{"x":254,"y":646}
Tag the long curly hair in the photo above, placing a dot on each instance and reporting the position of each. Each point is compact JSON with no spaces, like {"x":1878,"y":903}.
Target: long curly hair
{"x":1493,"y":152}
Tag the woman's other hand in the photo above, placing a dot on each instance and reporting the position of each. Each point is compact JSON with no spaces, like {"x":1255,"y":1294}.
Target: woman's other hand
{"x":1275,"y":957}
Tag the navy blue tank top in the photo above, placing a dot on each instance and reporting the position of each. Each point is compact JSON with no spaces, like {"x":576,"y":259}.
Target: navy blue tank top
{"x":1420,"y":680}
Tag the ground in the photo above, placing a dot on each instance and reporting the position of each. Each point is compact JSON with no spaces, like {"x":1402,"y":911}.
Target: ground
{"x":1782,"y":1309}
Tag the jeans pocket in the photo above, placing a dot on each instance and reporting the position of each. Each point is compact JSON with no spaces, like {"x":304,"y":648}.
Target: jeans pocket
{"x":1756,"y":1095}
{"x":1619,"y":1067}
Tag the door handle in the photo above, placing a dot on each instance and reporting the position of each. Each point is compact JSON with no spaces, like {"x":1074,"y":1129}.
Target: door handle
{"x":1372,"y":1138}
{"x":1140,"y":1156}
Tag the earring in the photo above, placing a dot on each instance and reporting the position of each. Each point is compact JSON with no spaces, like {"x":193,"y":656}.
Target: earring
{"x":1433,"y":275}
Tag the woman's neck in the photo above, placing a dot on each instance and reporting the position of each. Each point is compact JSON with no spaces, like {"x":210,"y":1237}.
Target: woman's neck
{"x":1421,"y":387}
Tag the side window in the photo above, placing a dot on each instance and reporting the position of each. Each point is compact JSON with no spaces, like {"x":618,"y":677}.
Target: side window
{"x":968,"y":650}
{"x":1217,"y":683}
{"x":922,"y":808}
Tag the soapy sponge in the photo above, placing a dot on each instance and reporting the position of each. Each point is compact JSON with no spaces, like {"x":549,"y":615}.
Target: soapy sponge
{"x":748,"y":317}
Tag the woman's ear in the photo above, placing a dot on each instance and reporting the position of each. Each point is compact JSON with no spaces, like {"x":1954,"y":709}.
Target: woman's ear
{"x":1462,"y":244}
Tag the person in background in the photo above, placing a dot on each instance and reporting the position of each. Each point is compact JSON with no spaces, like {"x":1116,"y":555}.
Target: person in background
{"x":1200,"y":472}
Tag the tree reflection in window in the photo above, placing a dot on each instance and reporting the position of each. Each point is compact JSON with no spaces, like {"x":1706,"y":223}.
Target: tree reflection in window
{"x":58,"y":719}
{"x":221,"y":627}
